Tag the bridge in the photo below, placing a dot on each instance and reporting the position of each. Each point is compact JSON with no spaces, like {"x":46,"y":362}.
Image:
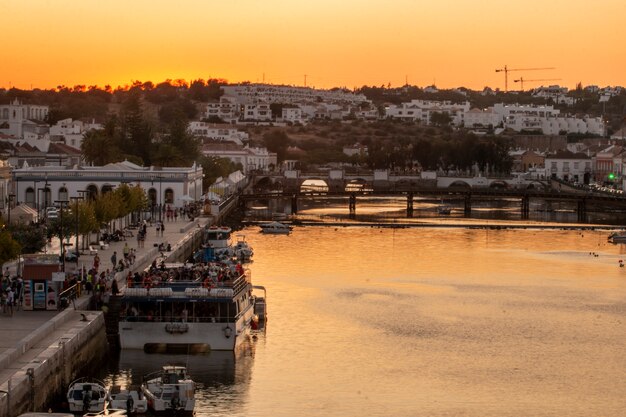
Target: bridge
{"x":582,"y":201}
{"x":337,"y":180}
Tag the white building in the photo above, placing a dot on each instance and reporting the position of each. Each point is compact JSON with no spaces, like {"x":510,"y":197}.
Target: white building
{"x":422,"y":110}
{"x":42,"y":186}
{"x":292,"y":115}
{"x":558,"y":125}
{"x":256,"y":112}
{"x":220,"y":132}
{"x":547,"y":120}
{"x":250,"y":158}
{"x":357,"y":149}
{"x":290,"y":95}
{"x":15,"y":117}
{"x":568,"y":166}
{"x":227,"y":110}
{"x":482,"y":118}
{"x":557,"y":93}
{"x":72,"y":132}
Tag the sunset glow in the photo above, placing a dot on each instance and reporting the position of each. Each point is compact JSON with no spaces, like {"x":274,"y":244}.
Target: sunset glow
{"x":348,"y":43}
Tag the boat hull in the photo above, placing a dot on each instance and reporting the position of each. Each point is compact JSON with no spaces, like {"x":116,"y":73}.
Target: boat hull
{"x":216,"y":336}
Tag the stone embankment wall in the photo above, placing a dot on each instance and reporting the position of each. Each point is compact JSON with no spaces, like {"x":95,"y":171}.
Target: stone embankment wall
{"x":37,"y":382}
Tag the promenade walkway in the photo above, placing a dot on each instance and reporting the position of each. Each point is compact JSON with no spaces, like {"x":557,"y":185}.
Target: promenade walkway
{"x":25,"y":334}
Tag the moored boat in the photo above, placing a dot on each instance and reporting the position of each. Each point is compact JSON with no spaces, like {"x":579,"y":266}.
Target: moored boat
{"x":87,"y":395}
{"x":242,"y":250}
{"x":130,"y":400}
{"x":198,"y":307}
{"x":275,"y":228}
{"x":618,"y":237}
{"x":169,"y":389}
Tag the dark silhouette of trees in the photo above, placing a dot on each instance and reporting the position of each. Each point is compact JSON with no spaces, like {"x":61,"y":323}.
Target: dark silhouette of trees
{"x":277,"y":141}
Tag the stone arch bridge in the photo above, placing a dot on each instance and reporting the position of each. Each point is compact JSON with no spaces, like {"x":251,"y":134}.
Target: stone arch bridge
{"x":383,"y":180}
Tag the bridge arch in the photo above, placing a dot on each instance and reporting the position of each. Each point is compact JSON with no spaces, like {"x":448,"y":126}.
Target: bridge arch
{"x":358,"y":185}
{"x":499,"y":184}
{"x":460,"y":184}
{"x":536,"y":185}
{"x":314,"y":185}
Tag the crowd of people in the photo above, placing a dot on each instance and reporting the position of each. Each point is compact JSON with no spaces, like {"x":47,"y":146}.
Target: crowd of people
{"x":11,"y":293}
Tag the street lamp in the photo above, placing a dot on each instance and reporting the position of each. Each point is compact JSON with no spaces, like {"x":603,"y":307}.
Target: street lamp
{"x":76,"y":199}
{"x":61,"y":234}
{"x":160,"y":194}
{"x":10,"y":200}
{"x":82,"y":197}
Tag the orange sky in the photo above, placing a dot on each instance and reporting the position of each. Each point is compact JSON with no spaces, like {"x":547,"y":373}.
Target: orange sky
{"x":348,"y":43}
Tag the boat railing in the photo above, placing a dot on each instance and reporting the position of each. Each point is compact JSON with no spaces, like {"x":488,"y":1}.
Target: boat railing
{"x":172,"y":319}
{"x":179,"y":287}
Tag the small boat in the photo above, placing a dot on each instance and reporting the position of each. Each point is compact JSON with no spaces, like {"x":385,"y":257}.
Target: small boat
{"x":87,"y":395}
{"x":617,"y":237}
{"x":130,"y":400}
{"x":443,"y":208}
{"x":169,"y":389}
{"x":242,"y":250}
{"x":275,"y":228}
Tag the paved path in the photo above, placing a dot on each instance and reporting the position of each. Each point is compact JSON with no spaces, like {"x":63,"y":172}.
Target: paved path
{"x":26,"y":333}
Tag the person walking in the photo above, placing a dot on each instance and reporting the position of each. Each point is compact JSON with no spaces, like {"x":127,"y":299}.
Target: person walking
{"x":10,"y":300}
{"x":114,"y":259}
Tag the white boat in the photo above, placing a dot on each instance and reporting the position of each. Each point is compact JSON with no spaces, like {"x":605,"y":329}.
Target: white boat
{"x":241,"y":249}
{"x":618,"y":237}
{"x":128,"y":399}
{"x":275,"y":228}
{"x":199,"y":307}
{"x":218,"y":237}
{"x":218,"y":246}
{"x":87,"y":395}
{"x":170,"y":389}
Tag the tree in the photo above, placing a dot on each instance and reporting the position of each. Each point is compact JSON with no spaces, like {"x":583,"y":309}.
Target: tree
{"x":31,"y":239}
{"x":213,"y":168}
{"x":135,"y":134}
{"x":9,"y":247}
{"x":440,"y":119}
{"x":99,"y":149}
{"x":277,"y":141}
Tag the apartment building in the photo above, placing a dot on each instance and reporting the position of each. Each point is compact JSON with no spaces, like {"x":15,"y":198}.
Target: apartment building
{"x":422,"y":111}
{"x":290,"y":95}
{"x":217,"y":131}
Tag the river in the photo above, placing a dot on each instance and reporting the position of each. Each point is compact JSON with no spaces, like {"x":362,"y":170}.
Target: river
{"x":429,"y":321}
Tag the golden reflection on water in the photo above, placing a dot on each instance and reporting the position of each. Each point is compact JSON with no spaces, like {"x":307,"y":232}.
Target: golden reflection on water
{"x":434,"y":322}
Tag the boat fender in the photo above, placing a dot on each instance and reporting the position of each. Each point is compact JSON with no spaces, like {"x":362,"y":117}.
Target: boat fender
{"x":227,"y":332}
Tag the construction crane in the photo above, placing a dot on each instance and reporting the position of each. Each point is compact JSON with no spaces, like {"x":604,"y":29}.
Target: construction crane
{"x":506,"y":71}
{"x":521,"y":80}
